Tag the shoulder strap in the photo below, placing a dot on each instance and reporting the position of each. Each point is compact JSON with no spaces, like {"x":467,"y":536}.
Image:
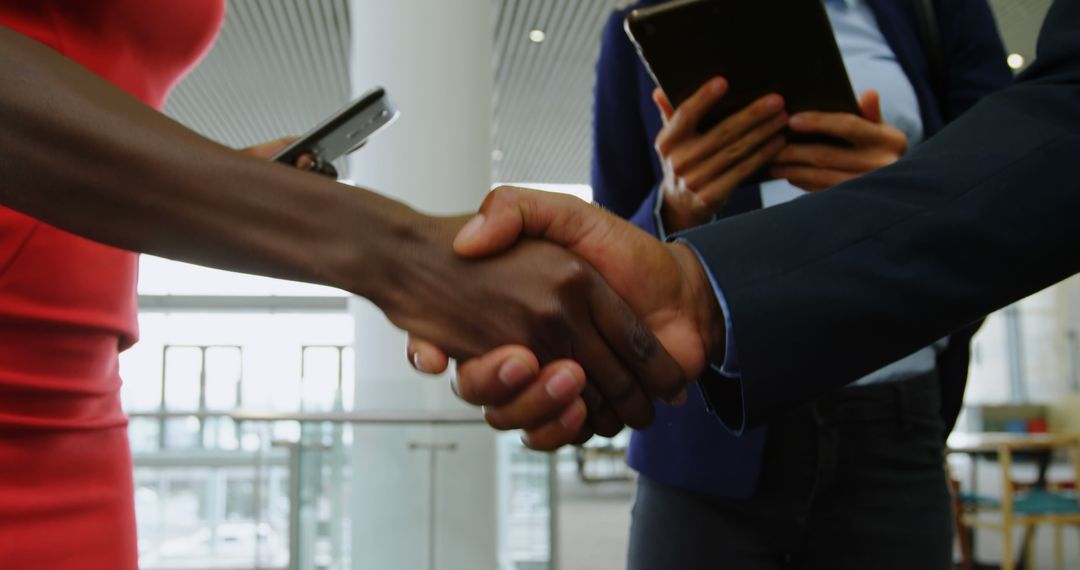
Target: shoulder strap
{"x":930,"y":34}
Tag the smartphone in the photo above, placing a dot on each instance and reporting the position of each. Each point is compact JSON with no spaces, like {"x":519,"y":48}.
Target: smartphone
{"x":345,"y":131}
{"x":758,"y":46}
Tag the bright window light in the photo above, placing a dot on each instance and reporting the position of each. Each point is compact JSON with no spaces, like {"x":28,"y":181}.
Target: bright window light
{"x":159,"y":276}
{"x":583,"y":191}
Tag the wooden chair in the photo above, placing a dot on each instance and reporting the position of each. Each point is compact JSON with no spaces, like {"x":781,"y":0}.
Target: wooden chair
{"x":1023,"y":506}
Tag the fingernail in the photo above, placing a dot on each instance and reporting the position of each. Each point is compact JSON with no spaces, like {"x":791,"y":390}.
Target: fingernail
{"x":563,"y":385}
{"x":514,"y":372}
{"x":469,"y":230}
{"x":573,"y":417}
{"x":797,"y":122}
{"x":718,"y":86}
{"x":680,"y":398}
{"x":774,"y":103}
{"x":416,"y":360}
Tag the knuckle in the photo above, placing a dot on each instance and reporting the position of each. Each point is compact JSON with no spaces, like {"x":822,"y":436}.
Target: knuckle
{"x":643,"y":343}
{"x":720,"y":134}
{"x":604,"y":422}
{"x":573,"y":276}
{"x":582,"y":436}
{"x":887,"y":160}
{"x":551,"y":322}
{"x":693,"y":180}
{"x":609,"y":430}
{"x":621,"y":389}
{"x":678,"y":168}
{"x":539,"y":444}
{"x":468,"y":391}
{"x":663,"y":143}
{"x":671,"y":384}
{"x":497,"y":420}
{"x":500,"y":194}
{"x":849,"y":124}
{"x":677,"y":119}
{"x":760,"y":110}
{"x":644,"y":419}
{"x":745,"y":168}
{"x":734,"y":150}
{"x":594,"y":403}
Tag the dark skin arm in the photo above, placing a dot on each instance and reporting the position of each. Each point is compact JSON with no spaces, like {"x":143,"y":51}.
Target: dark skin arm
{"x":80,"y":154}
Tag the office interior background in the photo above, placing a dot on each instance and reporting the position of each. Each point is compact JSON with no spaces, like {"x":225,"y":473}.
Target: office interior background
{"x":277,"y":425}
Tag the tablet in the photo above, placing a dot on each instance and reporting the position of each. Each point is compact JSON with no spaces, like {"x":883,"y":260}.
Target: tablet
{"x":758,"y":46}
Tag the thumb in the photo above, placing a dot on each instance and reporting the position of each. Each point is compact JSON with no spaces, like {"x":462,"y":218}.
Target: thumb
{"x":509,"y":213}
{"x":870,"y":105}
{"x":663,"y":105}
{"x":267,"y":150}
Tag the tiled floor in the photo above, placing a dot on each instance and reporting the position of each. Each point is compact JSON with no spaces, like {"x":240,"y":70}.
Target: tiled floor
{"x":594,"y":521}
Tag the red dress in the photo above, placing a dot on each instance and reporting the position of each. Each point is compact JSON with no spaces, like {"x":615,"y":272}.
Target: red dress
{"x":67,"y":309}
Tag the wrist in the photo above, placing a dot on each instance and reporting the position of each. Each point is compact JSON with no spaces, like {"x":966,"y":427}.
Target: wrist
{"x":408,"y":266}
{"x":677,"y":215}
{"x":375,"y":244}
{"x":701,"y":302}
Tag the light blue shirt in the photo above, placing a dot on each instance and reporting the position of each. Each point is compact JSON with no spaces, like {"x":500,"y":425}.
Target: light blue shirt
{"x":871,"y":64}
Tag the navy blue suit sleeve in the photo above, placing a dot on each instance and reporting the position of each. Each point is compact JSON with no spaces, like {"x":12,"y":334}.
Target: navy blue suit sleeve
{"x":622,"y":173}
{"x":975,"y":67}
{"x":975,"y":57}
{"x":979,"y":216}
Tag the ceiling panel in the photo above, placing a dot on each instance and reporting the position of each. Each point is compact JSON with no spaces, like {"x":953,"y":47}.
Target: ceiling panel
{"x":278,"y":68}
{"x":281,"y":66}
{"x":543,"y":105}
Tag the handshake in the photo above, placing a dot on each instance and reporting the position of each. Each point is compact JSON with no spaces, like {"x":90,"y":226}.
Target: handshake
{"x":566,"y":320}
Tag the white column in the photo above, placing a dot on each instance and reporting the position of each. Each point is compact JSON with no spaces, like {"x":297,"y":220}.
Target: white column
{"x":434,"y":57}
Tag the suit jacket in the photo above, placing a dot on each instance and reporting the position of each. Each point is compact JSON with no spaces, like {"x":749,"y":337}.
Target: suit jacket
{"x":981,"y":215}
{"x":687,"y":447}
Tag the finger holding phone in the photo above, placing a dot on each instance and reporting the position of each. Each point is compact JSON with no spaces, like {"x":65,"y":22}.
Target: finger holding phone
{"x":872,"y":145}
{"x":701,"y":169}
{"x":304,"y":161}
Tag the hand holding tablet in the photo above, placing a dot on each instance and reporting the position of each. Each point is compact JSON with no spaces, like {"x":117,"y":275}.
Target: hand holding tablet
{"x":759,"y":47}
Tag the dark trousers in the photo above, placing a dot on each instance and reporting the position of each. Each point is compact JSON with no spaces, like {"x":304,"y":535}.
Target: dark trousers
{"x":853,"y":481}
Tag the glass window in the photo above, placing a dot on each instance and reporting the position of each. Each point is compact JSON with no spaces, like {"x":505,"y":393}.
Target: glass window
{"x":159,"y":276}
{"x":183,"y":372}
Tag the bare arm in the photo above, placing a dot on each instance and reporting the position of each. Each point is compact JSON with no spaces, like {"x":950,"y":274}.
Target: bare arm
{"x":80,"y":154}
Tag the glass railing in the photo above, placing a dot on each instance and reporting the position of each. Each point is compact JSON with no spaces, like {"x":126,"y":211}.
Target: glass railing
{"x":242,"y":490}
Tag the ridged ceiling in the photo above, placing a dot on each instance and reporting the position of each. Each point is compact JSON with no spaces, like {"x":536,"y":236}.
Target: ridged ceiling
{"x":281,"y":66}
{"x":278,"y":68}
{"x":543,"y":92}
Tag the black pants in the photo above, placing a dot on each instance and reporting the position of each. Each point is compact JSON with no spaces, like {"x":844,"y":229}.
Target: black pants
{"x":854,"y":481}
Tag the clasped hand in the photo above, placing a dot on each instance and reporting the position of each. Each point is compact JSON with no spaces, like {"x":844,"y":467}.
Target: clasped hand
{"x":538,"y":295}
{"x":663,"y":284}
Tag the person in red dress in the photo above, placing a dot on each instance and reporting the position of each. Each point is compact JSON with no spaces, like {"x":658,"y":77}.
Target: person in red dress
{"x":67,"y":307}
{"x":90,"y":174}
